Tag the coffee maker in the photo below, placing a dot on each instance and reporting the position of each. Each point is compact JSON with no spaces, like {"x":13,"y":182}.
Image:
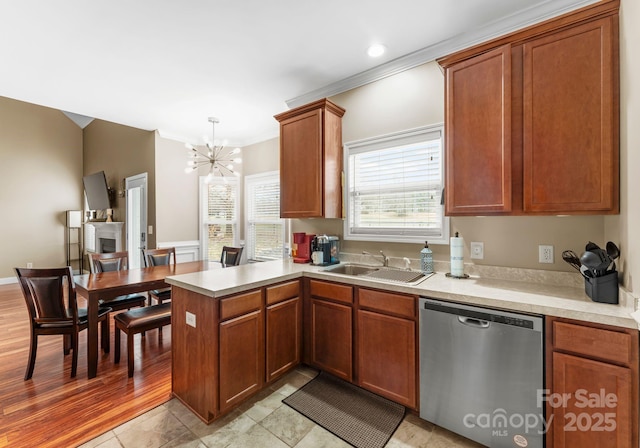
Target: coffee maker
{"x":301,"y":247}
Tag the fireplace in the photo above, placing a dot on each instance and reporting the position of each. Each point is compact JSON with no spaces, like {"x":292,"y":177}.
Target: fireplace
{"x":107,"y":245}
{"x":103,"y":237}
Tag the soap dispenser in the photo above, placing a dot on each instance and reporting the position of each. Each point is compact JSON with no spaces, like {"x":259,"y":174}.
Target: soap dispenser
{"x":426,"y":259}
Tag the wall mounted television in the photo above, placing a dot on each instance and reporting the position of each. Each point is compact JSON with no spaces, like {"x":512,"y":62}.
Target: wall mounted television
{"x":97,"y":191}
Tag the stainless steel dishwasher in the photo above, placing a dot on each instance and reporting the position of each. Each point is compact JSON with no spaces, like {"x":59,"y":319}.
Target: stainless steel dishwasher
{"x":481,"y":373}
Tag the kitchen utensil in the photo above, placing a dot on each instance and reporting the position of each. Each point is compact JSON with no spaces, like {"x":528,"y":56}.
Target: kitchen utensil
{"x":586,"y":273}
{"x":591,"y":246}
{"x":597,"y":260}
{"x":612,"y":250}
{"x":570,"y":257}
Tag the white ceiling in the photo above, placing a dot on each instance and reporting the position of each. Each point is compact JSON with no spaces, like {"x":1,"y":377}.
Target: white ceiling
{"x":169,"y":64}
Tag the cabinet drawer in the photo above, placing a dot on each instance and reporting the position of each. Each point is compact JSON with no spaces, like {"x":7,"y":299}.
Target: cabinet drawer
{"x":333,"y":291}
{"x":596,"y":342}
{"x":240,"y":304}
{"x":282,"y":292}
{"x":387,"y":302}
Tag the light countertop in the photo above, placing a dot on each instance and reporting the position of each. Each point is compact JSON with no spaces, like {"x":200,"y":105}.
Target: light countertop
{"x":523,"y":296}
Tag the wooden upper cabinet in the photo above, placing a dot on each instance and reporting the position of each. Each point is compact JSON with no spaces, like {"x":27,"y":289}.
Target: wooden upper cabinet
{"x":478,"y":134}
{"x":532,"y":119}
{"x":570,"y":120}
{"x":311,"y":161}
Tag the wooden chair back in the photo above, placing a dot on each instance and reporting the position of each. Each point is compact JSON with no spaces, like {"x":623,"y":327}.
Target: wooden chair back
{"x":107,"y":262}
{"x":231,"y":256}
{"x":44,"y":294}
{"x":159,"y":257}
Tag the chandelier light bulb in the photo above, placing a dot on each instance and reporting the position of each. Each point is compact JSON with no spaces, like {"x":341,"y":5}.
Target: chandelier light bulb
{"x":218,"y":158}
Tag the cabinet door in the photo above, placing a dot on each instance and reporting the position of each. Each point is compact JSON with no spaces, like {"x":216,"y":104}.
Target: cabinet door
{"x":582,"y":416}
{"x":241,"y":358}
{"x":301,"y":166}
{"x":387,"y":356}
{"x":571,"y":120}
{"x":331,"y":341}
{"x":478,"y":134}
{"x":283,"y":337}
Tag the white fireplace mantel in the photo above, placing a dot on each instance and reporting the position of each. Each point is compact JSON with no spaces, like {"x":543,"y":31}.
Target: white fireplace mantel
{"x":100,"y":237}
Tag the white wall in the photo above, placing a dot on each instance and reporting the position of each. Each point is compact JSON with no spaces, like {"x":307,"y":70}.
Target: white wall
{"x":625,"y":228}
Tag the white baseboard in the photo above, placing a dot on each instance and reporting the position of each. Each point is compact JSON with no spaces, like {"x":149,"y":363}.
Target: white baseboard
{"x":8,"y":280}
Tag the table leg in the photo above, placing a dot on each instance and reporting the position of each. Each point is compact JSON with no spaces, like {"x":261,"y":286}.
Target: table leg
{"x":92,"y":336}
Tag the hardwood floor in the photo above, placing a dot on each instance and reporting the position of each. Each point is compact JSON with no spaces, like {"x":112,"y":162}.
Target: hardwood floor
{"x":54,"y":410}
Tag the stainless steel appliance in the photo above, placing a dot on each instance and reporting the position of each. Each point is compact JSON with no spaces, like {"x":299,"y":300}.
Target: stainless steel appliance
{"x":481,"y":373}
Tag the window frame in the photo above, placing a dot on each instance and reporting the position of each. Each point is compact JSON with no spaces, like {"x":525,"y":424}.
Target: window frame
{"x":385,"y":141}
{"x":258,"y":178}
{"x":203,"y":220}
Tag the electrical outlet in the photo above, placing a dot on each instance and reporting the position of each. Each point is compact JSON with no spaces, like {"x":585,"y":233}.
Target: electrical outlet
{"x":545,"y":253}
{"x":477,"y":250}
{"x":190,"y":319}
{"x":29,"y":265}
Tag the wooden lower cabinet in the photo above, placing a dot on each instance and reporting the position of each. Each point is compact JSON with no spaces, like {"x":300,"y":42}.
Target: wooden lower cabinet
{"x":592,"y":377}
{"x":283,"y":337}
{"x":241,"y":358}
{"x":194,"y":352}
{"x":598,"y":408}
{"x":387,"y":356}
{"x":331,"y":340}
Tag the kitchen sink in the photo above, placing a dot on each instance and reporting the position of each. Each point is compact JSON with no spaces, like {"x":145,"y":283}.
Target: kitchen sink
{"x":383,"y":273}
{"x":351,"y":269}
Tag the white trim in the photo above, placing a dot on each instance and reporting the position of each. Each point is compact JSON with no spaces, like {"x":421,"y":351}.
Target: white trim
{"x":202,"y":211}
{"x":185,"y":250}
{"x":8,"y":280}
{"x":252,"y":178}
{"x":496,"y":28}
{"x":398,"y":138}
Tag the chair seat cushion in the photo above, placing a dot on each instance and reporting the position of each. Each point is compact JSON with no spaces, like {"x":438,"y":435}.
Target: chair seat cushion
{"x":82,"y":314}
{"x":121,"y":300}
{"x":166,"y":292}
{"x":141,"y":317}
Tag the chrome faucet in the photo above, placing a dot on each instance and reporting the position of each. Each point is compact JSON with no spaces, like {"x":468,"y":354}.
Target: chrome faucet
{"x":385,"y":259}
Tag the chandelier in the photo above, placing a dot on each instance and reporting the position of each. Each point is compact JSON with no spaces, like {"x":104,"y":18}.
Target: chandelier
{"x":218,"y":157}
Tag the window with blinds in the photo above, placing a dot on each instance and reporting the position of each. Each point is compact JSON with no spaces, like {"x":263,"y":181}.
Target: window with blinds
{"x":219,"y":203}
{"x":264,"y":231}
{"x":394,"y":187}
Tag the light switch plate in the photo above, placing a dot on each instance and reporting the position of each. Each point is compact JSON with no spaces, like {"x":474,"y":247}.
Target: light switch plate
{"x":191,"y":319}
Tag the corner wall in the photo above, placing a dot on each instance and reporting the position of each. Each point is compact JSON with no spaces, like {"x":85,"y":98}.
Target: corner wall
{"x":122,"y":151}
{"x":40,"y":178}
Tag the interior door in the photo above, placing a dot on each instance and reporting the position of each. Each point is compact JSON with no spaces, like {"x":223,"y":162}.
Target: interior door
{"x":136,"y":187}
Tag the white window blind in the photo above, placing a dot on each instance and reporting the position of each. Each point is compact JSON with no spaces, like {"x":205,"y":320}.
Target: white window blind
{"x":264,"y":227}
{"x":219,"y":205}
{"x":394,"y":187}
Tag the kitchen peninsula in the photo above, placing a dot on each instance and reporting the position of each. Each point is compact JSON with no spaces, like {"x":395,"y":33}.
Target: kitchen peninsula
{"x":236,"y":330}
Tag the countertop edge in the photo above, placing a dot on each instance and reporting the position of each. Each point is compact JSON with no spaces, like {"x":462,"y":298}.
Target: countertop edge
{"x":569,"y":303}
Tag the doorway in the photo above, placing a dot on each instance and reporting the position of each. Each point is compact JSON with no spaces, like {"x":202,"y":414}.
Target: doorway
{"x":136,"y":188}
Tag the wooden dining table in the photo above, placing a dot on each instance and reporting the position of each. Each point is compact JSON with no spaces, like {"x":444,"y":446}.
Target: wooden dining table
{"x":108,"y":285}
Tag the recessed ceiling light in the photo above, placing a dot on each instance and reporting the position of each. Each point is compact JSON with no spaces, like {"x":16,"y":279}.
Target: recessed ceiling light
{"x":376,"y":50}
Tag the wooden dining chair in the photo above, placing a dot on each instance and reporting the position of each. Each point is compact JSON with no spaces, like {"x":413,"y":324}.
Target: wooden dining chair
{"x":50,"y":314}
{"x":115,"y":261}
{"x":230,"y":256}
{"x":158,"y":257}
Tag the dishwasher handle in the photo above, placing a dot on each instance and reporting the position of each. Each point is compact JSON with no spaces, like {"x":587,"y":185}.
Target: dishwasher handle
{"x":473,"y":322}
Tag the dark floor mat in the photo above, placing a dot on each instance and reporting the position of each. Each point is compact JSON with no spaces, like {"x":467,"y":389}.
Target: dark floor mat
{"x":359,"y":417}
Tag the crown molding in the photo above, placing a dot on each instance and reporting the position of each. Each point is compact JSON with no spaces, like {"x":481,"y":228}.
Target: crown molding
{"x":496,"y":28}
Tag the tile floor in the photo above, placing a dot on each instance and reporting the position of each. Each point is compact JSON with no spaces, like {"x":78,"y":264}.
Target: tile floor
{"x":263,"y":421}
